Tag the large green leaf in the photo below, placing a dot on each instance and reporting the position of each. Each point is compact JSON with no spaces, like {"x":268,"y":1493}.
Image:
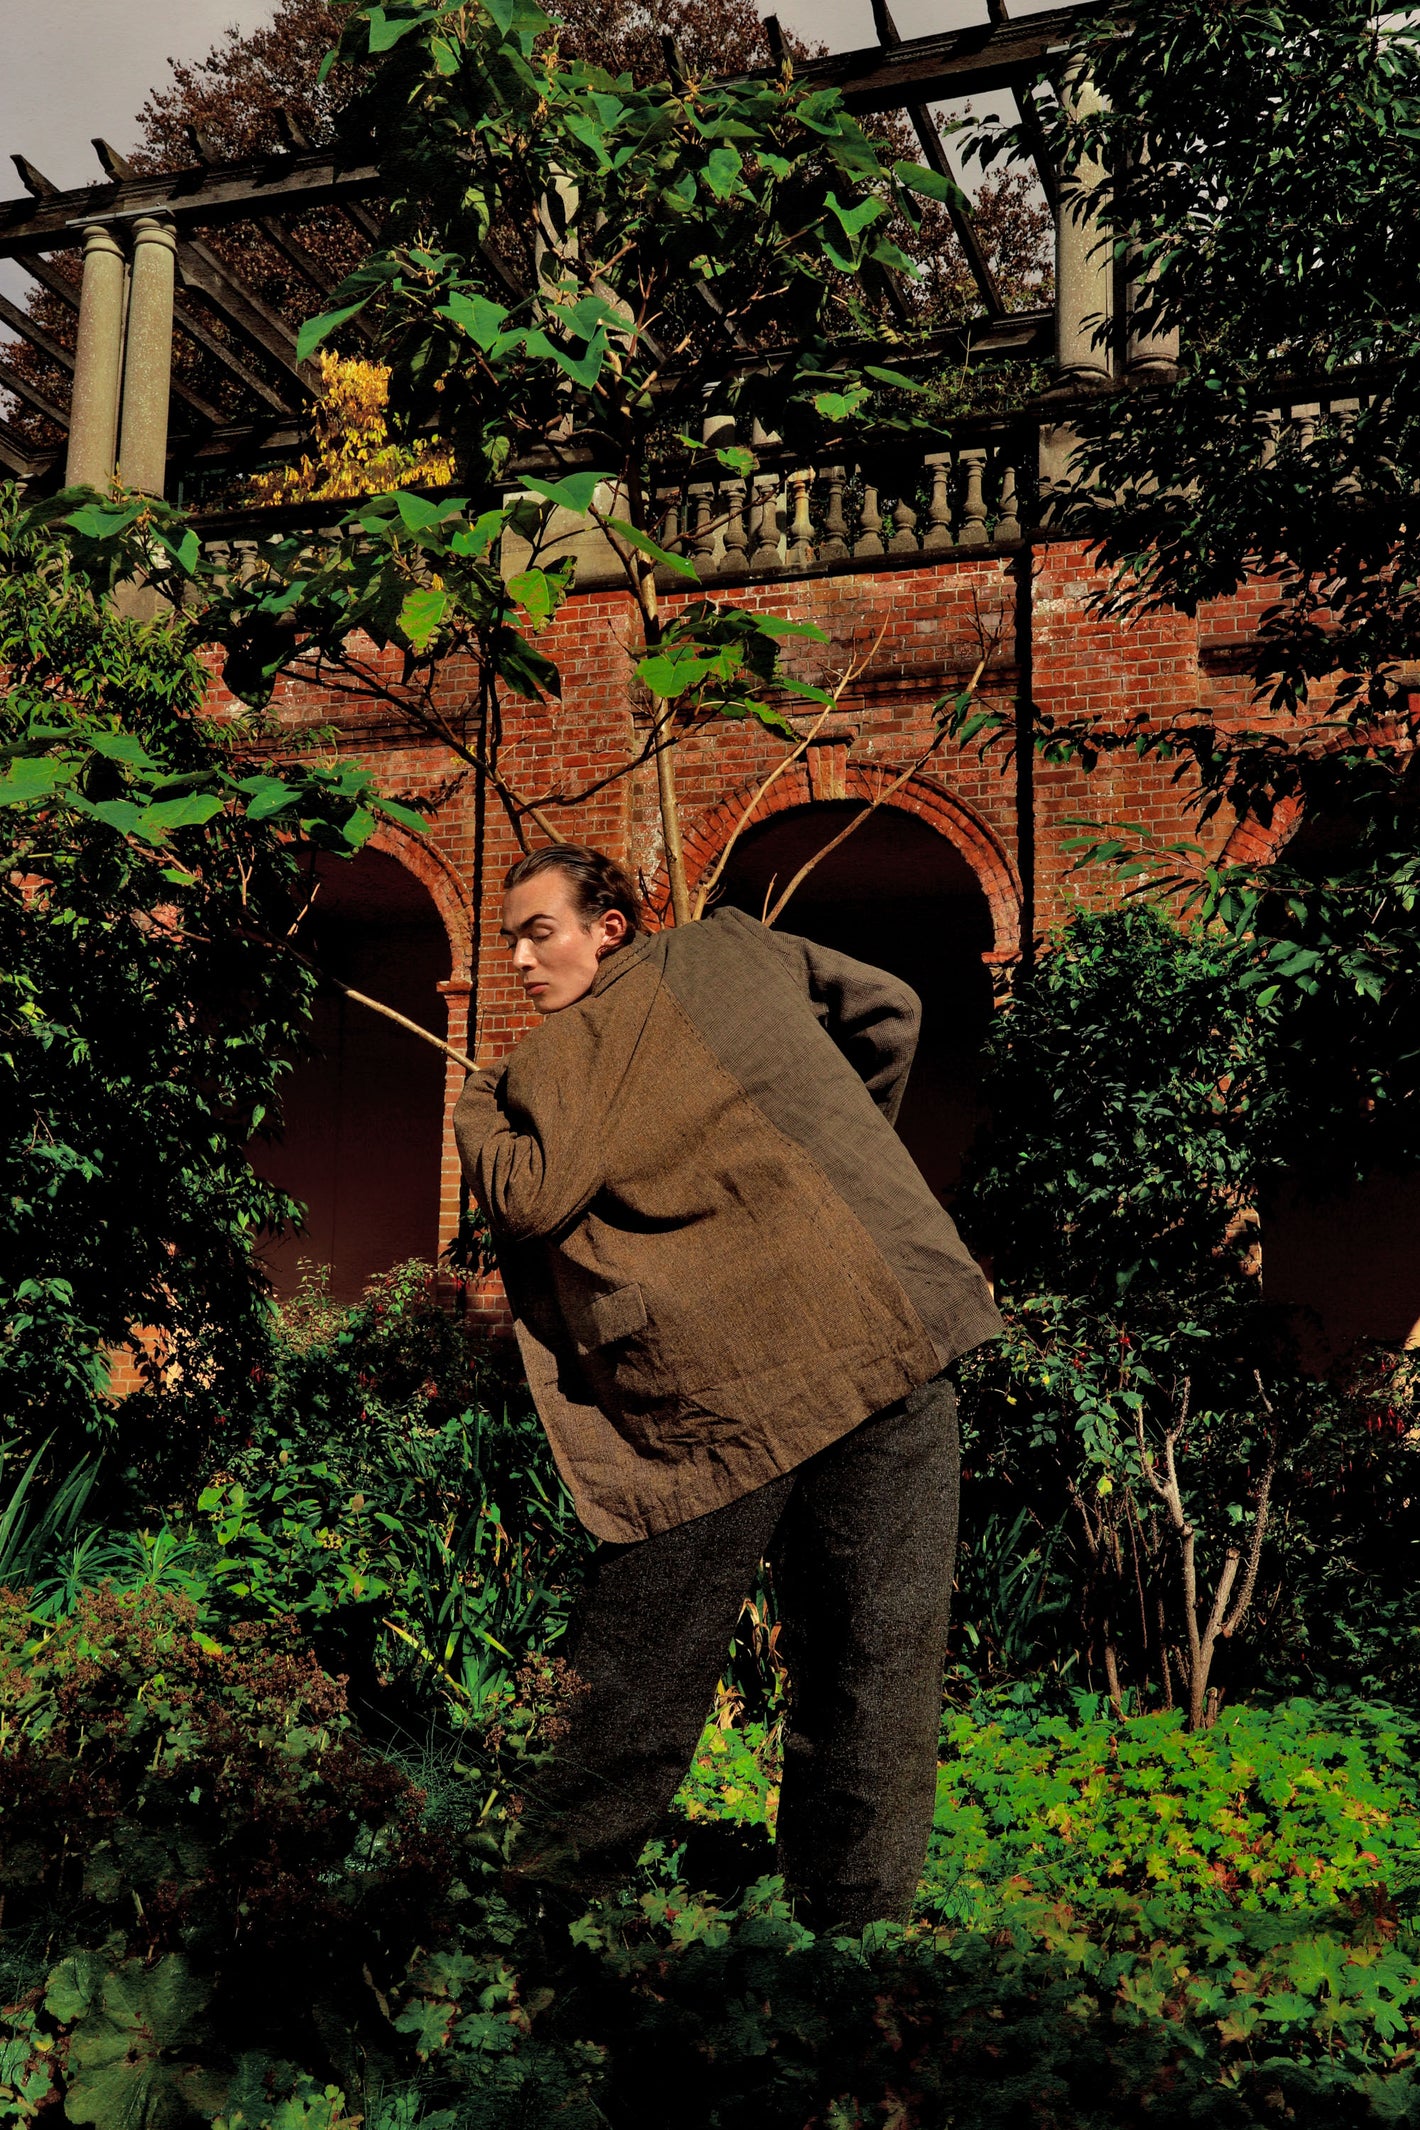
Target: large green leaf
{"x":156,"y":821}
{"x":481,"y":319}
{"x":36,"y":777}
{"x":574,"y":491}
{"x":310,"y":335}
{"x":422,"y":616}
{"x":931,"y":184}
{"x":539,"y":592}
{"x":122,"y":2072}
{"x":644,"y":545}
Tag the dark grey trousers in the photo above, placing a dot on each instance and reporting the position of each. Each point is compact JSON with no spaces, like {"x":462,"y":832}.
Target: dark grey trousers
{"x":862,"y":1541}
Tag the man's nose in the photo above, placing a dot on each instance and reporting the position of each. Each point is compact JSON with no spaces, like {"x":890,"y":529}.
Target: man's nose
{"x":523,"y":954}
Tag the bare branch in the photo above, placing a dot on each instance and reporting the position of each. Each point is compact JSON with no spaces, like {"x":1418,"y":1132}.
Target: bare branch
{"x":712,"y":879}
{"x":885,"y":792}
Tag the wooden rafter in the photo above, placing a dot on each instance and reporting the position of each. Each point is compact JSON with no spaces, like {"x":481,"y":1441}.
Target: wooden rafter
{"x":929,"y":70}
{"x":20,"y":386}
{"x":68,"y":292}
{"x":15,"y":453}
{"x":22,"y":324}
{"x":263,"y":329}
{"x":935,"y":156}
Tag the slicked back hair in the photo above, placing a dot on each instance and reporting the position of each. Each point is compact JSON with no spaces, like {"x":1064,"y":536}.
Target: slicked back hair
{"x":597,"y":882}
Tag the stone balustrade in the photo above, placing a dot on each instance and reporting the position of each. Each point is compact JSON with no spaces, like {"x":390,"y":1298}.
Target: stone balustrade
{"x":787,"y":519}
{"x":780,"y":520}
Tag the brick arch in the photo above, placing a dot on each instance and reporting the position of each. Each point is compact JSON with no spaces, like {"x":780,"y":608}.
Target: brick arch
{"x":442,"y":883}
{"x":922,"y":796}
{"x":1255,"y":843}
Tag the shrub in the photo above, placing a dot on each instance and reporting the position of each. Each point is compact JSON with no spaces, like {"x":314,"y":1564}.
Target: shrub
{"x":165,"y":1798}
{"x":148,"y":859}
{"x":1144,"y":1438}
{"x":394,"y":1492}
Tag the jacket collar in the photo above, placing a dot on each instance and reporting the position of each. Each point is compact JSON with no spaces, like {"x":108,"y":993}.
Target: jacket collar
{"x":624,"y":958}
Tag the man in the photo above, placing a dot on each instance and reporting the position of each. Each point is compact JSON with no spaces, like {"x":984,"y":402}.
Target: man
{"x":736,"y":1298}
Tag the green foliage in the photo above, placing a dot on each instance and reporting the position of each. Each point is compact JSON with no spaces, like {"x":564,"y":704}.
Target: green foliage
{"x":1261,"y":159}
{"x":598,"y":241}
{"x":225,"y":1858}
{"x":1272,"y":1809}
{"x":733,"y":1778}
{"x":397,"y":1499}
{"x":576,"y":268}
{"x":145,"y":1015}
{"x":1130,"y":1115}
{"x":220,"y":1782}
{"x":1135,"y":1127}
{"x":1259,"y":162}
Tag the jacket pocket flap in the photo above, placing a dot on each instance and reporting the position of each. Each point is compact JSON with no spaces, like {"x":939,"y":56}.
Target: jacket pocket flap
{"x":605,"y":1317}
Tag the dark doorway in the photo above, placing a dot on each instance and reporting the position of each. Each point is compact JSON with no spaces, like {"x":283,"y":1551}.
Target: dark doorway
{"x":898,"y":895}
{"x":364,"y":1116}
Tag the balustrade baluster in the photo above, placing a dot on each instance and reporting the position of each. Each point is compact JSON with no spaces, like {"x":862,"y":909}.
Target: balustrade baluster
{"x":1344,"y":413}
{"x":834,"y":544}
{"x":1008,"y":522}
{"x":973,"y":509}
{"x":736,"y":538}
{"x":1304,"y":420}
{"x":939,"y":512}
{"x":904,"y":538}
{"x":1268,"y":427}
{"x":801,"y":525}
{"x":766,"y":550}
{"x":670,"y":539}
{"x":870,"y":524}
{"x":701,"y":495}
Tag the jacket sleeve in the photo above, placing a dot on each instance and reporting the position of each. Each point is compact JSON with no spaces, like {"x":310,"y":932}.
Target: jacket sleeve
{"x":532,"y":1135}
{"x":874,"y":1018}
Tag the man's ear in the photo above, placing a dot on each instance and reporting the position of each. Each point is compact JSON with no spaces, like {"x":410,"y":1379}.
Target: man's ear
{"x":614,"y":929}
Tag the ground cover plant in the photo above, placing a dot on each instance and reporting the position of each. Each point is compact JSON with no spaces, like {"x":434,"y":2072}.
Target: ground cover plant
{"x":1121,"y":1919}
{"x":279,"y":1639}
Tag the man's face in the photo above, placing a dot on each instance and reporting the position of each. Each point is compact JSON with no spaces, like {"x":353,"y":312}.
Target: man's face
{"x":555,"y":950}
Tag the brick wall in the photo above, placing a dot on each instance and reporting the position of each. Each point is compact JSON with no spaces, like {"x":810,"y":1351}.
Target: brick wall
{"x":918,"y":634}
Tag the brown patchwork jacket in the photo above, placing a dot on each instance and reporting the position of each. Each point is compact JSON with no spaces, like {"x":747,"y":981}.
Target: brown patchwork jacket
{"x":719,"y":1255}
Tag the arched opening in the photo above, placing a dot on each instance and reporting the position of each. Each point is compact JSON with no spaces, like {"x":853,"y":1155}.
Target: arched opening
{"x":364,"y":1114}
{"x":899,"y":895}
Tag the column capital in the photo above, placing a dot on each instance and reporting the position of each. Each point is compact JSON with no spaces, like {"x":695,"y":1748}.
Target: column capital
{"x":99,"y":237}
{"x":154,"y":229}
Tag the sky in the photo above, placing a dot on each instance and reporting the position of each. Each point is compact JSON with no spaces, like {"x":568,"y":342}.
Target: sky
{"x":76,"y":68}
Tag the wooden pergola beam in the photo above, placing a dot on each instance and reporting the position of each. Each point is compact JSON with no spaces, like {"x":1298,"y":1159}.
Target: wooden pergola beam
{"x":930,"y":70}
{"x":68,"y":292}
{"x":936,"y":158}
{"x":231,"y":192}
{"x":14,"y":453}
{"x":919,"y":71}
{"x":263,"y":329}
{"x":21,"y":323}
{"x":15,"y":382}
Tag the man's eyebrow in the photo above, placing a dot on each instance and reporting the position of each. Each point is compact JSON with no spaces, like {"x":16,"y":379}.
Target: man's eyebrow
{"x":538,"y":917}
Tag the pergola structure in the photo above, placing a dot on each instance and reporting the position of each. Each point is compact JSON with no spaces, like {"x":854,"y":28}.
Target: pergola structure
{"x":148,"y":271}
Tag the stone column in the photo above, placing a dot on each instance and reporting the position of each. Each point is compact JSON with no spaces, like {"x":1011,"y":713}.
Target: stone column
{"x":1084,"y":261}
{"x":148,"y":359}
{"x":98,"y":364}
{"x":1153,"y":350}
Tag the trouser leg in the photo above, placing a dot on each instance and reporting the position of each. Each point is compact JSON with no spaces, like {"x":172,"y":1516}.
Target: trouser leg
{"x":648,"y":1643}
{"x":863,"y":1563}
